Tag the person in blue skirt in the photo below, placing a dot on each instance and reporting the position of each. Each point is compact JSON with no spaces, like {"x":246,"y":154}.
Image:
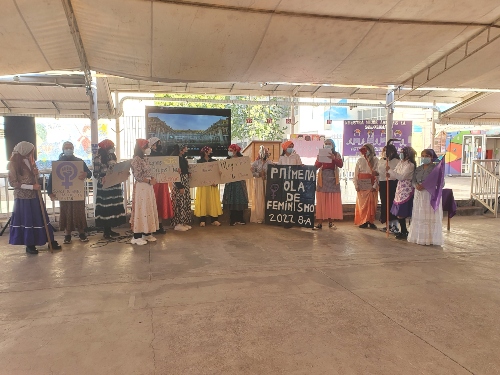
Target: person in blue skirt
{"x":27,"y":226}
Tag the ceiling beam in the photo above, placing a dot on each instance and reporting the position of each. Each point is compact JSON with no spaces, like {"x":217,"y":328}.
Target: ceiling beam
{"x":296,"y":90}
{"x":56,"y":107}
{"x":6,"y":105}
{"x":316,"y":90}
{"x":464,"y":104}
{"x":109,"y":97}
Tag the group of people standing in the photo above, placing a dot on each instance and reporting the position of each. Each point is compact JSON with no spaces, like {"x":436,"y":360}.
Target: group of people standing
{"x":399,"y":181}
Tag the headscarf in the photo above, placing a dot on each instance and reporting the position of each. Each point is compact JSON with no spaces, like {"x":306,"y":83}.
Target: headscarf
{"x":432,"y":153}
{"x":153,"y":140}
{"x":371,"y":158}
{"x":391,"y":149}
{"x":235,"y":147}
{"x":23,"y":148}
{"x":205,"y":150}
{"x":106,"y":144}
{"x":286,"y":144}
{"x":262,"y":152}
{"x":410,"y":153}
{"x":142,"y":143}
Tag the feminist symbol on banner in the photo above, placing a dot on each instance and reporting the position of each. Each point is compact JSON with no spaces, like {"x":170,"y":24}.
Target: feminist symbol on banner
{"x":274,"y":189}
{"x":67,"y":172}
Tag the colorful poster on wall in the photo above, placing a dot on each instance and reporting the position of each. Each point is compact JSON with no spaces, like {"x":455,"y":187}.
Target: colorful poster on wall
{"x":359,"y":132}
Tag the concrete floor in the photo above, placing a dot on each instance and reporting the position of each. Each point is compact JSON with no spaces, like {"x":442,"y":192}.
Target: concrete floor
{"x":256,"y":300}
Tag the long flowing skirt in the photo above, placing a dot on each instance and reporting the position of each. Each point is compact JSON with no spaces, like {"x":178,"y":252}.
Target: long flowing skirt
{"x":235,"y":196}
{"x":366,"y":207}
{"x":26,"y":225}
{"x":383,"y":199}
{"x":72,"y":216}
{"x":182,"y":202}
{"x":109,"y":209}
{"x":163,"y":201}
{"x":329,"y":206}
{"x":207,"y":202}
{"x":258,"y":213}
{"x":144,"y":218}
{"x":426,"y":224}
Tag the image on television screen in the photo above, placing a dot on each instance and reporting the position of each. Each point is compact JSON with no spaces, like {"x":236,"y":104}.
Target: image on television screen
{"x":194,"y":127}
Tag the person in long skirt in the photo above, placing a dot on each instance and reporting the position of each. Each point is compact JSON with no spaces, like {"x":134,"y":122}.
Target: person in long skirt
{"x":181,"y":196}
{"x":72,"y":213}
{"x":366,"y":186}
{"x":162,"y":192}
{"x":144,"y":219}
{"x":403,"y":201}
{"x":235,"y":197}
{"x":207,"y":204}
{"x":26,"y":226}
{"x":259,"y":172}
{"x":328,"y":195}
{"x":109,"y":209}
{"x":426,"y":222}
{"x":390,"y":157}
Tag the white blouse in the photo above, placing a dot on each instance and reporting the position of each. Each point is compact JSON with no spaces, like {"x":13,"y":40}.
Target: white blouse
{"x":362,"y":166}
{"x":293,"y":159}
{"x":382,"y":164}
{"x":403,"y":171}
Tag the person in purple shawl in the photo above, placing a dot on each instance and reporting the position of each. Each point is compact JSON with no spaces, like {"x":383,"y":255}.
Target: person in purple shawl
{"x":428,"y":180}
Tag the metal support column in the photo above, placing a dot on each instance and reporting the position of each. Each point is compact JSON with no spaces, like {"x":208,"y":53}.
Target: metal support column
{"x":94,"y":128}
{"x":118,"y":132}
{"x":390,"y":112}
{"x":433,"y":128}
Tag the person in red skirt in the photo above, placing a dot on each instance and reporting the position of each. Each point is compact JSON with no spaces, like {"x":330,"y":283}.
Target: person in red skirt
{"x":162,"y":193}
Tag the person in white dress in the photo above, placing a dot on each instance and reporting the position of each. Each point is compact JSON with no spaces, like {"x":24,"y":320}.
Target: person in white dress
{"x":144,"y":218}
{"x":426,"y":223}
{"x":259,"y":172}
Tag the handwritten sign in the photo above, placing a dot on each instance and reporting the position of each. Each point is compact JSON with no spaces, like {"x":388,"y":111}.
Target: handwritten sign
{"x":290,"y":193}
{"x":204,"y":174}
{"x":117,"y":174}
{"x":323,"y":155}
{"x":65,"y":182}
{"x":235,"y":169}
{"x":165,"y":168}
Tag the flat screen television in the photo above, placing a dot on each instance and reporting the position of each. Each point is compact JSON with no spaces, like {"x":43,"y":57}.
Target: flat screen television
{"x":194,"y":127}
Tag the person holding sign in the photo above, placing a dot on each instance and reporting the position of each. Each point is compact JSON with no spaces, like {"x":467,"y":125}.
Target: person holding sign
{"x":109,"y":209}
{"x":427,"y":217}
{"x":235,"y":193}
{"x":328,"y":196}
{"x":162,"y":193}
{"x":144,"y":218}
{"x":289,"y":156}
{"x":27,"y":226}
{"x":207,"y":203}
{"x":259,"y":171}
{"x":181,"y":196}
{"x":403,"y":201}
{"x":72,"y":213}
{"x":366,"y":186}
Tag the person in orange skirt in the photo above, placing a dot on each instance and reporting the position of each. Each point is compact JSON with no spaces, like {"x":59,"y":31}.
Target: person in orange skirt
{"x":328,"y":196}
{"x":366,"y":186}
{"x":162,"y":192}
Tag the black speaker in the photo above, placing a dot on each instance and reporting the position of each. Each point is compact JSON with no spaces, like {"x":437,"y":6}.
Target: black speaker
{"x":18,"y":129}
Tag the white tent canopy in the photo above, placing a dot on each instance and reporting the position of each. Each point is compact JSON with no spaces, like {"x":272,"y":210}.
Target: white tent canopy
{"x":379,"y":42}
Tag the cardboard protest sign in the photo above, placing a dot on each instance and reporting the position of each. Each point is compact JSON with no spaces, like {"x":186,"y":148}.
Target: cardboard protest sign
{"x":235,"y":169}
{"x":66,"y":185}
{"x":117,"y":174}
{"x":204,"y":174}
{"x":165,"y":168}
{"x":290,"y":194}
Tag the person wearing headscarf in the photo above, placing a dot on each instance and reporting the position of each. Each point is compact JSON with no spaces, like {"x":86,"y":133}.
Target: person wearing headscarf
{"x":207,"y":203}
{"x":426,"y":222}
{"x":72,"y":213}
{"x":109,"y":209}
{"x":181,"y":195}
{"x":328,"y":196}
{"x":162,"y":193}
{"x":403,"y":200}
{"x":289,"y":156}
{"x":390,"y":157}
{"x":366,"y":186}
{"x":259,"y":172}
{"x":27,"y":226}
{"x":235,"y":197}
{"x":144,"y":218}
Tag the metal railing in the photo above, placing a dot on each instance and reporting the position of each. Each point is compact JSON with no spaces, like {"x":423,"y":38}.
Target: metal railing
{"x":485,"y":184}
